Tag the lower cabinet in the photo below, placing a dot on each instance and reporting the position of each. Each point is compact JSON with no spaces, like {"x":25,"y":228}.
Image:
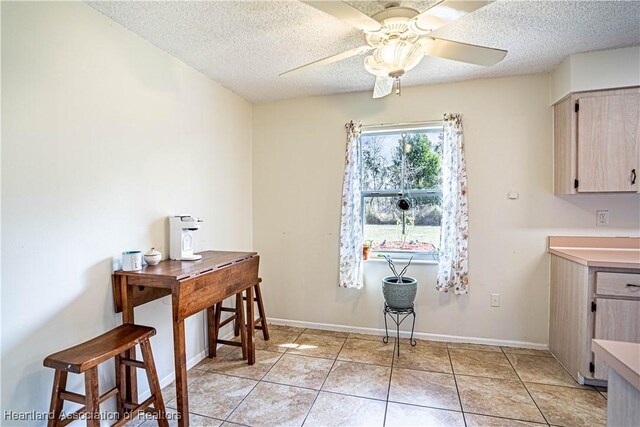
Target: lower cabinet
{"x":617,"y":311}
{"x":586,"y":303}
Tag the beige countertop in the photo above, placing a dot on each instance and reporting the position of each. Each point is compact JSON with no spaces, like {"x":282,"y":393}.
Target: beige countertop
{"x":623,"y":258}
{"x":615,"y":252}
{"x":622,"y":357}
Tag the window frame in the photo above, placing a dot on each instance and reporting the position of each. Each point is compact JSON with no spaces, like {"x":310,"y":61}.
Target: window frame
{"x":392,"y":129}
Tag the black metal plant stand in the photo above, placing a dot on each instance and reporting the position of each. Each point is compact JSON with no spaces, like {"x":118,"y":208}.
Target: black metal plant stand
{"x":405,"y":312}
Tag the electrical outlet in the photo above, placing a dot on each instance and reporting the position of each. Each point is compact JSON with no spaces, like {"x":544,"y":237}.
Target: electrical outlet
{"x":495,"y":300}
{"x":602,"y":218}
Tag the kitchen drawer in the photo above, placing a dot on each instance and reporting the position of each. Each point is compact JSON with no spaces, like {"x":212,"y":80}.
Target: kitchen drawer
{"x":618,"y":284}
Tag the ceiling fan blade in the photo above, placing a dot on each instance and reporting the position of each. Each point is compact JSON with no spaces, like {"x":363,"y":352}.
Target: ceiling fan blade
{"x":346,"y":13}
{"x":463,"y":52}
{"x":329,"y":60}
{"x":446,"y":11}
{"x":382,"y":87}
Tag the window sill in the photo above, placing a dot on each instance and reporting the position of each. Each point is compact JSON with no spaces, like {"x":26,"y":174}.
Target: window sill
{"x":405,"y":260}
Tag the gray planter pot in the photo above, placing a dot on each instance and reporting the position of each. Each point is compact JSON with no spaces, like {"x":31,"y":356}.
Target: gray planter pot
{"x":399,"y":295}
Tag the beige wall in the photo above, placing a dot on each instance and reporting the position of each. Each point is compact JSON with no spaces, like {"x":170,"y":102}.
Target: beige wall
{"x":298,"y":159}
{"x":103,"y":136}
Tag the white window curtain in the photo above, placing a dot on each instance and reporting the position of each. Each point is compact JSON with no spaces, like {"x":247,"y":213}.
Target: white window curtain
{"x":351,"y":220}
{"x":453,"y":269}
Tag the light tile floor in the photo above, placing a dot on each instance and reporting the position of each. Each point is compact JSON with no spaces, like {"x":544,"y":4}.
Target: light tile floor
{"x":324,"y":378}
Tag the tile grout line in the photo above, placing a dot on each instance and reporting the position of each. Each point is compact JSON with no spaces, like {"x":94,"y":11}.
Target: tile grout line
{"x":348,"y":361}
{"x":323,"y":382}
{"x":287,"y":351}
{"x":314,"y":332}
{"x":354,"y":395}
{"x":329,"y":392}
{"x":305,"y":387}
{"x":437,"y":408}
{"x":569,"y":373}
{"x":254,"y":387}
{"x":551,"y":356}
{"x":525,"y":387}
{"x":240,"y":403}
{"x":561,"y":386}
{"x":455,"y":381}
{"x":244,"y":364}
{"x":393,"y":359}
{"x":513,"y":379}
{"x":502,"y":417}
{"x":281,"y":355}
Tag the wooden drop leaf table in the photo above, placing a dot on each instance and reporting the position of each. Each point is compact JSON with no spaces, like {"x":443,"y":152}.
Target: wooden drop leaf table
{"x":194,"y":286}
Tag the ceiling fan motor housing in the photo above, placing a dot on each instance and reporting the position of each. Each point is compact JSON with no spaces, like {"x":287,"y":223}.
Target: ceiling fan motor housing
{"x":392,"y":11}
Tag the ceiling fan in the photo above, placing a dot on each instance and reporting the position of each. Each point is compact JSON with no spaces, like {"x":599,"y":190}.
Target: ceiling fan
{"x":400,"y":37}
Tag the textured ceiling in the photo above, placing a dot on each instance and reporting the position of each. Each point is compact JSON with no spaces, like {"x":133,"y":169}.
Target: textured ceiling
{"x":244,"y":45}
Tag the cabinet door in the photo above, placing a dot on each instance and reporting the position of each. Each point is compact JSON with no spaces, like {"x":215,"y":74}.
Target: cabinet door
{"x":608,"y":132}
{"x":565,"y":158}
{"x":616,"y":320}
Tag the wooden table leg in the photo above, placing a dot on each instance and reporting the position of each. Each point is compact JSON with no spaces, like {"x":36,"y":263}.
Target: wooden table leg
{"x":131,"y":383}
{"x":237,"y":324}
{"x":251,"y":343}
{"x":212,"y":327}
{"x":180,"y":358}
{"x":242,"y":330}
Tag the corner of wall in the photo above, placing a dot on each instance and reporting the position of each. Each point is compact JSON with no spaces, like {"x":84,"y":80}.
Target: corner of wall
{"x":560,"y":81}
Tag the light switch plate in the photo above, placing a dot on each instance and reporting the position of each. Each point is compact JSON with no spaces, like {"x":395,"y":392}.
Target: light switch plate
{"x":602,"y":218}
{"x":495,"y":300}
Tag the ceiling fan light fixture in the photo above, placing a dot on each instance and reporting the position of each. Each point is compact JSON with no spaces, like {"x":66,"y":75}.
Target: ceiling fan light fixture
{"x":396,"y":56}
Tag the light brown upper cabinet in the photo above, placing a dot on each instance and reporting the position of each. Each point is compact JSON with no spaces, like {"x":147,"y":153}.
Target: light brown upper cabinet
{"x":597,"y":142}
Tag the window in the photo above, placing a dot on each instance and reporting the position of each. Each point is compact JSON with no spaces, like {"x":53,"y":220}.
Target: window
{"x":401,"y":169}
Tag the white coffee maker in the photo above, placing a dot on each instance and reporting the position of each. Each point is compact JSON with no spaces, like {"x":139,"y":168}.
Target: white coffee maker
{"x":181,"y":228}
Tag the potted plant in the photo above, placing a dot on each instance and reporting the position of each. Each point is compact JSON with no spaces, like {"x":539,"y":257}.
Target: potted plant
{"x":366,"y":249}
{"x":399,"y":290}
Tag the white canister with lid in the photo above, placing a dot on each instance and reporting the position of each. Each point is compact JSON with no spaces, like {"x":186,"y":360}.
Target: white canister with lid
{"x":153,"y":257}
{"x":131,"y":261}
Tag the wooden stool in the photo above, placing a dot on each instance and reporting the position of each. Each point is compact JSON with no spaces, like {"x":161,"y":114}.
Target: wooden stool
{"x":214,"y":315}
{"x":215,"y":322}
{"x":86,"y":357}
{"x":261,"y":321}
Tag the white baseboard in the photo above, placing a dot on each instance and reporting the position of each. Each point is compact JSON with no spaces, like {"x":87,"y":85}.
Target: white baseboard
{"x":404,"y":334}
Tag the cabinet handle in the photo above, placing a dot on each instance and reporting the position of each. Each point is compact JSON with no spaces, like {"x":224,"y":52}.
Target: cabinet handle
{"x":633,"y":176}
{"x":633,"y":285}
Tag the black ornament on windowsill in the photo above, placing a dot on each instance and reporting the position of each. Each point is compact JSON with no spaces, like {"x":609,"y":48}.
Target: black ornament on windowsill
{"x":404,"y":204}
